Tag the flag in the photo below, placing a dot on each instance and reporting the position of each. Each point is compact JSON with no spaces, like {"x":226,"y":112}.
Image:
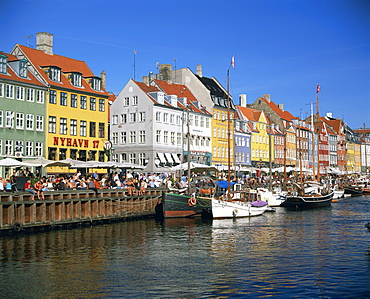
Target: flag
{"x":233,"y":62}
{"x":318,"y":88}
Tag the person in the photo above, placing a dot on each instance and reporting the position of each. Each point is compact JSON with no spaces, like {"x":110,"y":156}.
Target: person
{"x":94,"y":185}
{"x":13,"y":182}
{"x":143,"y":186}
{"x":8,"y":186}
{"x":1,"y":185}
{"x":27,"y":187}
{"x":61,"y":185}
{"x":130,"y":186}
{"x":39,"y":190}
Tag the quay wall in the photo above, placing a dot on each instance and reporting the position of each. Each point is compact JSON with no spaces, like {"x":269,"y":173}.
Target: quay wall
{"x":19,"y":212}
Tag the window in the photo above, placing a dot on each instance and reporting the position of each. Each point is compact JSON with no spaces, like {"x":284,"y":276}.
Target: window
{"x":3,"y":65}
{"x":63,"y":126}
{"x":92,"y":129}
{"x":92,"y":104}
{"x":178,"y":138}
{"x":115,"y":137}
{"x":142,"y":136}
{"x":52,"y":124}
{"x":10,"y":91}
{"x":123,"y":118}
{"x":62,"y":153}
{"x":38,"y":149}
{"x":158,"y":116}
{"x":114,"y":119}
{"x":141,"y":116}
{"x":83,"y":102}
{"x":196,"y":120}
{"x":29,"y":148}
{"x":23,"y":71}
{"x":133,"y":158}
{"x":142,"y":159}
{"x":73,"y":127}
{"x":165,"y":117}
{"x":29,"y":121}
{"x":52,"y":97}
{"x":8,"y":147}
{"x":132,"y":117}
{"x":63,"y":99}
{"x":172,"y":119}
{"x":123,"y":157}
{"x":135,"y":100}
{"x":101,"y":105}
{"x":54,"y":74}
{"x":123,"y":138}
{"x":158,"y":136}
{"x":40,"y":94}
{"x":95,"y":83}
{"x":19,"y":122}
{"x":30,"y":95}
{"x":76,"y":79}
{"x":9,"y":122}
{"x":82,"y":128}
{"x":178,"y":119}
{"x":20,"y":93}
{"x":1,"y":90}
{"x":52,"y":151}
{"x":132,"y":137}
{"x":101,"y":130}
{"x":165,"y":137}
{"x":39,"y":123}
{"x":1,"y":119}
{"x":126,"y":101}
{"x":73,"y":100}
{"x":173,"y":138}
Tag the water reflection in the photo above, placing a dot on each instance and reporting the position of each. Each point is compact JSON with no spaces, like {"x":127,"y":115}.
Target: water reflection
{"x":324,"y":252}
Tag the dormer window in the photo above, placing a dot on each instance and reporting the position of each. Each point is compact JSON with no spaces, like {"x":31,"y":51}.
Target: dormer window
{"x":54,"y":74}
{"x":95,"y":84}
{"x":23,"y":70}
{"x":3,"y":64}
{"x":76,"y":79}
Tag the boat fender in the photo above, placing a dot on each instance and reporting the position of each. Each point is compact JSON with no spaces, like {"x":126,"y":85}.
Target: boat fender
{"x":192,"y":202}
{"x":232,"y":195}
{"x":235,"y":212}
{"x":17,"y":227}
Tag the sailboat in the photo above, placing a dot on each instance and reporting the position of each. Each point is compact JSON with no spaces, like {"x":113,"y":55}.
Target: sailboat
{"x":230,"y":201}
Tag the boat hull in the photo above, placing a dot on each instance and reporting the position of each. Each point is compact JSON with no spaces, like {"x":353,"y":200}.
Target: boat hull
{"x":235,"y":209}
{"x":353,"y":191}
{"x":308,"y":202}
{"x":180,"y":206}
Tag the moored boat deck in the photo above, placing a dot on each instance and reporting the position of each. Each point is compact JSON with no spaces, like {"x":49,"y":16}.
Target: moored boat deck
{"x":18,"y":211}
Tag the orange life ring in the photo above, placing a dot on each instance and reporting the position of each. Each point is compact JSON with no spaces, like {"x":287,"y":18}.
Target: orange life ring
{"x":192,"y":201}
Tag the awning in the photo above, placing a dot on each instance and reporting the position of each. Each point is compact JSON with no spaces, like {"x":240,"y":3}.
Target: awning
{"x":161,"y":157}
{"x":169,"y":157}
{"x":176,"y":158}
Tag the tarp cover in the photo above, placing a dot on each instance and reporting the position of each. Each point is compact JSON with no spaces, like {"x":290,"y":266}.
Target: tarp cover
{"x":258,"y":203}
{"x":223,"y":184}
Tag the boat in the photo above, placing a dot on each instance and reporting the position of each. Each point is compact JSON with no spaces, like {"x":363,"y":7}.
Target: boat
{"x":177,"y":203}
{"x":367,"y":225}
{"x":308,"y":201}
{"x":365,"y":191}
{"x":353,"y":190}
{"x":273,"y":199}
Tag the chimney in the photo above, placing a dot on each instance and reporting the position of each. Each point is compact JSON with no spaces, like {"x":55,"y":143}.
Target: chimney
{"x":281,"y":107}
{"x":165,"y":72}
{"x":243,"y":100}
{"x":44,"y":42}
{"x":199,"y":70}
{"x":329,"y":114}
{"x":267,"y":97}
{"x":103,"y":77}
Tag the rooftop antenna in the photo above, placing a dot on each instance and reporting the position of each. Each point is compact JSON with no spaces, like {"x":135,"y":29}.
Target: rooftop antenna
{"x":135,"y":65}
{"x":28,"y":40}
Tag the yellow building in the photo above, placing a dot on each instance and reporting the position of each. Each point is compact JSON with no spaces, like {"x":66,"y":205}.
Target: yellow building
{"x":77,"y":104}
{"x":357,"y":157}
{"x":260,"y":139}
{"x":291,"y":147}
{"x":350,"y":157}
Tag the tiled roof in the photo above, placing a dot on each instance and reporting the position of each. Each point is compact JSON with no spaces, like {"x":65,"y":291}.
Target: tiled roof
{"x":285,"y":115}
{"x":250,"y":113}
{"x":11,"y":75}
{"x":40,"y":59}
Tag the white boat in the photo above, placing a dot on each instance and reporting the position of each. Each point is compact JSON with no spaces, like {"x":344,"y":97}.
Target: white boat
{"x":273,"y":199}
{"x":236,"y":209}
{"x":337,"y":193}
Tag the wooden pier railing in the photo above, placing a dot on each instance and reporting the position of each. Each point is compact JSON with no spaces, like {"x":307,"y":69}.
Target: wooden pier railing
{"x":18,"y":211}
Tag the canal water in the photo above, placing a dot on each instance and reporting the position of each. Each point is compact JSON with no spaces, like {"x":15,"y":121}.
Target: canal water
{"x":322,"y":253}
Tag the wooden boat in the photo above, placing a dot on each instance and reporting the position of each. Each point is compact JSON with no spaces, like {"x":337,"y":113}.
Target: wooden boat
{"x":353,"y":190}
{"x":308,"y":201}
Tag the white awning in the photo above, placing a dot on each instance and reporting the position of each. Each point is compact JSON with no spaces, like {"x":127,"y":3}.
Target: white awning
{"x":169,"y":157}
{"x":161,"y":157}
{"x":176,"y":158}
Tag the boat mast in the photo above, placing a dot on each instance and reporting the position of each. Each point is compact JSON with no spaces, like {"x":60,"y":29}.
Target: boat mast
{"x":228,"y":136}
{"x":313,"y":143}
{"x":188,"y":137}
{"x":318,"y":131}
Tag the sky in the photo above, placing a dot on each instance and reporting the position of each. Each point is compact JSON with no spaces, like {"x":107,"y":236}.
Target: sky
{"x":281,"y":47}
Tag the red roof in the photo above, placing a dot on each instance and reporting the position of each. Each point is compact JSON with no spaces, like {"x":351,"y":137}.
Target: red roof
{"x":40,"y":60}
{"x":11,"y":75}
{"x":285,"y":115}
